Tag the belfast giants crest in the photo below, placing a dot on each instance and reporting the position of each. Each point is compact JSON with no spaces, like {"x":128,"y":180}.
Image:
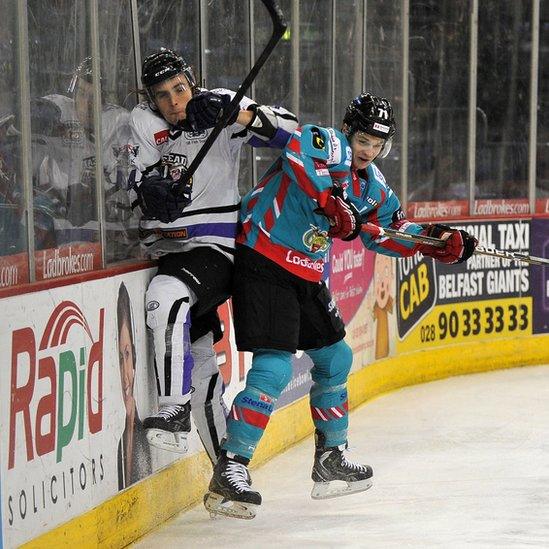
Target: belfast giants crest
{"x":316,"y":239}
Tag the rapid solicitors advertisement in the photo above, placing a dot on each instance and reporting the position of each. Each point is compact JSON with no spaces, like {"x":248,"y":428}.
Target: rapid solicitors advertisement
{"x":486,"y":297}
{"x":75,"y":387}
{"x":56,"y":415}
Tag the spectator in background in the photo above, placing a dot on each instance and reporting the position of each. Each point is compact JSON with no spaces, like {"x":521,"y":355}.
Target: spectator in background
{"x":11,"y":233}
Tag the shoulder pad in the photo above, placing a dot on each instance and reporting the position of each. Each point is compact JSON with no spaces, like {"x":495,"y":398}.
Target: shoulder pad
{"x":148,"y":127}
{"x":340,"y":156}
{"x":315,"y":142}
{"x":146,"y":118}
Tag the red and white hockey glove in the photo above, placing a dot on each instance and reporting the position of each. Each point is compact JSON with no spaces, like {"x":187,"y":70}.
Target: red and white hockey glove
{"x":460,"y":245}
{"x":343,"y":215}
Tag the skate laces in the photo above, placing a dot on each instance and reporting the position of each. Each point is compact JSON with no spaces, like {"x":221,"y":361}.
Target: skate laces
{"x":237,"y":474}
{"x":168,"y":412}
{"x":350,"y":464}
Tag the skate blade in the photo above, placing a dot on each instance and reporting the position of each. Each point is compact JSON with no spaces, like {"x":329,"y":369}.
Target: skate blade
{"x":218,"y":505}
{"x":327,"y":490}
{"x":173,"y":442}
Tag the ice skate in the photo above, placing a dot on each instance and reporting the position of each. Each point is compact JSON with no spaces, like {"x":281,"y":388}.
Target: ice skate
{"x":229,"y":491}
{"x":169,"y":428}
{"x":334,"y":475}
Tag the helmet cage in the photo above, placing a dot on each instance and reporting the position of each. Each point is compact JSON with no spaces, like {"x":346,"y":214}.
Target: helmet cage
{"x":163,"y":65}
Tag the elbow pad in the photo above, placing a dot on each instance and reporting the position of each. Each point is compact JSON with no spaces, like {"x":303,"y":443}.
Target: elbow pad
{"x":268,"y":123}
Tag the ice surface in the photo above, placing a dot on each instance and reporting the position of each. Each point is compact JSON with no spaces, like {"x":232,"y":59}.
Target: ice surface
{"x":461,"y":462}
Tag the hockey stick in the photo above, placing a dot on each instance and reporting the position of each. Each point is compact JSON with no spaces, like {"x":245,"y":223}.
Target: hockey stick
{"x":279,"y":28}
{"x":377,"y":232}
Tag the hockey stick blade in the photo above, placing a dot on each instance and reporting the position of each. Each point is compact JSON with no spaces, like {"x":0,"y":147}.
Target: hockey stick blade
{"x":279,"y":28}
{"x":378,"y":232}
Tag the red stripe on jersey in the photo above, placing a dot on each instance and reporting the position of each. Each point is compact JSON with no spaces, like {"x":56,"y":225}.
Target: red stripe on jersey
{"x":323,"y":197}
{"x":252,"y":202}
{"x":245,"y":228}
{"x":282,"y":191}
{"x":269,"y":219}
{"x":270,"y":174}
{"x":255,"y":418}
{"x":295,"y":262}
{"x":302,"y":179}
{"x":294,"y":144}
{"x":396,"y":246}
{"x":356,"y":183}
{"x":339,"y":175}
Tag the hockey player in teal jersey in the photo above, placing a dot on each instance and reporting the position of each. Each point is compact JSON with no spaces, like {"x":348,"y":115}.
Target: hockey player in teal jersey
{"x":323,"y":186}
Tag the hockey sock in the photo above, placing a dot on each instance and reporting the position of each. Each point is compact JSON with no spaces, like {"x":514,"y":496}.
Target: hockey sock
{"x":270,"y":373}
{"x":328,"y":395}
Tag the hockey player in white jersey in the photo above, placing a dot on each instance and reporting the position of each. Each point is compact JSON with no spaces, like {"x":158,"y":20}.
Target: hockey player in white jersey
{"x":191,"y":229}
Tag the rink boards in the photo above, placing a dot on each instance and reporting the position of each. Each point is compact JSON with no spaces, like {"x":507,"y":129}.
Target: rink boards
{"x":74,"y":468}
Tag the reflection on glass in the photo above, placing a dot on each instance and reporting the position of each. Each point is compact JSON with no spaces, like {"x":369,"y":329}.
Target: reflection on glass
{"x":118,"y":86}
{"x":315,"y":54}
{"x":13,"y":247}
{"x":348,"y":55}
{"x":273,"y":85}
{"x":63,"y":134}
{"x":438,"y":117}
{"x":64,"y":137}
{"x":174,"y":25}
{"x":503,"y":99}
{"x":383,"y":72}
{"x":542,"y":172}
{"x":227,"y":59}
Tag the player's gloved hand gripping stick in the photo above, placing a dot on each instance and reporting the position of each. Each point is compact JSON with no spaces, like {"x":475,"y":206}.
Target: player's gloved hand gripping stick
{"x":378,"y":232}
{"x":279,"y":28}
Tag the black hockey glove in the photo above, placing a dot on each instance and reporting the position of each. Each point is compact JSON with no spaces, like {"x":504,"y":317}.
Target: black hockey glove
{"x":460,"y":245}
{"x":161,"y":198}
{"x":206,"y":108}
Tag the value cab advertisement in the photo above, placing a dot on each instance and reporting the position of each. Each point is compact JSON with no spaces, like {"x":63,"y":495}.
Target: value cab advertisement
{"x":483,"y":298}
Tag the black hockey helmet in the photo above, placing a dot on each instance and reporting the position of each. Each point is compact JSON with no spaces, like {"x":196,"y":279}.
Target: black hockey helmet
{"x":162,"y":65}
{"x":372,"y":115}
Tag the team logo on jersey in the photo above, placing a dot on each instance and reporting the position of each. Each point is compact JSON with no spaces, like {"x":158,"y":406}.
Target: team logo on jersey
{"x":73,"y":133}
{"x":195,"y":136}
{"x":176,"y":164}
{"x":398,"y":215}
{"x":124,"y":155}
{"x":318,"y":140}
{"x":316,"y":239}
{"x":161,"y":137}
